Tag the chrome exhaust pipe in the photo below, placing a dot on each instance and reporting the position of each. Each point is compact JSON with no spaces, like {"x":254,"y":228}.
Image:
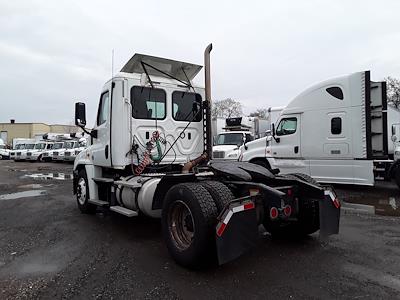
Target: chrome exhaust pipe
{"x":207,"y":74}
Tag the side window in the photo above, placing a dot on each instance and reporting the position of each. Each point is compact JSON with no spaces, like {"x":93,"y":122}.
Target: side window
{"x":104,"y":105}
{"x":49,"y":146}
{"x":336,"y":125}
{"x":287,"y":126}
{"x":148,"y":103}
{"x":186,"y":106}
{"x":336,"y":92}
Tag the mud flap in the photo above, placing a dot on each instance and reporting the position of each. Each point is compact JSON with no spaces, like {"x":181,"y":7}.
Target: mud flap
{"x":236,"y":232}
{"x":329,"y":213}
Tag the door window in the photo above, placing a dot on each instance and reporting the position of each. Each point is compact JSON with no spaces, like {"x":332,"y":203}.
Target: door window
{"x":103,"y":108}
{"x":287,"y":126}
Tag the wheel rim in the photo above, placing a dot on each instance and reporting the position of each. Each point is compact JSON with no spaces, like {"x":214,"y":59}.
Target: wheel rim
{"x":181,"y":225}
{"x":81,"y":191}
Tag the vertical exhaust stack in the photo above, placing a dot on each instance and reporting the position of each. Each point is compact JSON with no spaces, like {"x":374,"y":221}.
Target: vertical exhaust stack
{"x":207,"y":73}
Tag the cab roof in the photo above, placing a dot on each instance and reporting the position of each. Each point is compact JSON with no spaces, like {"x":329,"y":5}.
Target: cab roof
{"x":153,"y":65}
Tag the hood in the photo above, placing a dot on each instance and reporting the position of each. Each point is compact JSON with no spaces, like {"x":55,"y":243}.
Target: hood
{"x":224,"y":148}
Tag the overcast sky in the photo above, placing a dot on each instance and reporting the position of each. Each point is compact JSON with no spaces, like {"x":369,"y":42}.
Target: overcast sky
{"x":53,"y":53}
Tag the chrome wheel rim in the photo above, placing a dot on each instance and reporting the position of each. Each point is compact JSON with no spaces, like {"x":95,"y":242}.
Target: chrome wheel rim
{"x":81,"y":191}
{"x":181,"y":225}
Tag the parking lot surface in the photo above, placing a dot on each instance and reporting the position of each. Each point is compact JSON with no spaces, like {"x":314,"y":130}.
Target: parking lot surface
{"x":49,"y":250}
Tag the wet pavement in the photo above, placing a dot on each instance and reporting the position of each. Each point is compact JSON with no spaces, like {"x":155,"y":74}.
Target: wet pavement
{"x":384,"y":197}
{"x":49,"y":250}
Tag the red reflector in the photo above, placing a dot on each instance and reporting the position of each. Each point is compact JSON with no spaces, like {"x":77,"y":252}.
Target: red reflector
{"x":221,"y":229}
{"x":287,"y":210}
{"x":249,"y":205}
{"x":336,"y":203}
{"x":273,"y":213}
{"x":289,"y":192}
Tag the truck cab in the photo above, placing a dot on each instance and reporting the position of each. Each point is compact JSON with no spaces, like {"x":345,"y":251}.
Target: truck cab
{"x":227,"y":144}
{"x":335,"y":131}
{"x":36,"y":153}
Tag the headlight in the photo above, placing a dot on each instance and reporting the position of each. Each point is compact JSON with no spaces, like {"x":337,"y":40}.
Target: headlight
{"x":233,"y":155}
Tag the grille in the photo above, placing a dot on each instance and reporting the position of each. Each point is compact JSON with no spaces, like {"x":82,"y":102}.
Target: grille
{"x":18,"y":153}
{"x":29,"y":154}
{"x":55,"y":153}
{"x":67,"y":153}
{"x":218,"y":154}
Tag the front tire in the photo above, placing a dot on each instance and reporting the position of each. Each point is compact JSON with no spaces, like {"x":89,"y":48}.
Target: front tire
{"x":82,"y":194}
{"x":188,"y":220}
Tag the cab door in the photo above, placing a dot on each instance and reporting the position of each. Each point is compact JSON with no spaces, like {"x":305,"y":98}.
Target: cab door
{"x":286,"y":146}
{"x":288,"y":135}
{"x":101,"y":144}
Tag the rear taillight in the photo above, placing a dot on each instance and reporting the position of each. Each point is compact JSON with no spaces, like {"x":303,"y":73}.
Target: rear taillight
{"x":273,"y":213}
{"x":287,"y":210}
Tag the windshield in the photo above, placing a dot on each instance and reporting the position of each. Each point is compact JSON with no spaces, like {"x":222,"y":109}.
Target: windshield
{"x":40,"y":146}
{"x":58,"y":145}
{"x":29,"y":146}
{"x":229,"y":139}
{"x":69,"y":145}
{"x":19,"y":146}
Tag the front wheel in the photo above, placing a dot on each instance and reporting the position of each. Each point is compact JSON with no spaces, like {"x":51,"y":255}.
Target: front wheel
{"x":188,"y":220}
{"x":82,"y":194}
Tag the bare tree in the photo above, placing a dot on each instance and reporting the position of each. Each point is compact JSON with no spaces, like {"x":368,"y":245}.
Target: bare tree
{"x":393,"y":91}
{"x":227,"y":108}
{"x":262,"y":113}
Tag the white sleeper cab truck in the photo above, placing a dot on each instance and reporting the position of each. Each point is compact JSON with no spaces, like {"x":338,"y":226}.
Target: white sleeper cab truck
{"x":335,"y":131}
{"x":149,"y":155}
{"x":36,"y":153}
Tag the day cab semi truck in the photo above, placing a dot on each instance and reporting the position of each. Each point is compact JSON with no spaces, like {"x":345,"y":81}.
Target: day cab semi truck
{"x":335,"y":131}
{"x":150,"y":155}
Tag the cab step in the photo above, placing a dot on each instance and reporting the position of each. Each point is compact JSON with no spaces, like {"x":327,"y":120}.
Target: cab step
{"x":124,"y":211}
{"x":103,"y":180}
{"x":132,"y":185}
{"x":98,"y":202}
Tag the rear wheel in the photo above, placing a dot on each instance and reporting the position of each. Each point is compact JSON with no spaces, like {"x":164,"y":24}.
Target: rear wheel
{"x":82,"y":194}
{"x":188,"y":223}
{"x":307,"y":218}
{"x":220,"y":193}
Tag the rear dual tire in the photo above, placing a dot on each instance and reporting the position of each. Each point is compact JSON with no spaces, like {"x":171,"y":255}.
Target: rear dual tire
{"x":189,"y":218}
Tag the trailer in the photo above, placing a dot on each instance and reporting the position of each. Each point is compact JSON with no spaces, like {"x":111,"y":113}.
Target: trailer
{"x":150,"y":155}
{"x":335,"y":131}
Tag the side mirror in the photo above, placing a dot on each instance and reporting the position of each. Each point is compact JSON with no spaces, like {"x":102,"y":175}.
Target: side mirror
{"x":274,"y":133}
{"x":80,"y":114}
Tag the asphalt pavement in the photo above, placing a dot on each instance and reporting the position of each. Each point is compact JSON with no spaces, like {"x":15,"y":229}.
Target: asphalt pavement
{"x":49,"y":250}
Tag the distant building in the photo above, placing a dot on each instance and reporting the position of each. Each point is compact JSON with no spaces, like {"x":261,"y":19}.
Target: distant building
{"x":9,"y":131}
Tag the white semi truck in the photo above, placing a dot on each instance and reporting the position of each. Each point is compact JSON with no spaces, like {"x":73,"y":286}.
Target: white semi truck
{"x":336,"y":131}
{"x":149,"y":155}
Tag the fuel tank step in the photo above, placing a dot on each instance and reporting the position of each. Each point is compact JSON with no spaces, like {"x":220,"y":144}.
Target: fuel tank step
{"x":98,"y":202}
{"x":124,"y":211}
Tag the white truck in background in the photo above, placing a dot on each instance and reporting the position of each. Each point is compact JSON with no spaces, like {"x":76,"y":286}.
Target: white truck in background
{"x":336,"y":131}
{"x":236,"y":132}
{"x":4,"y":152}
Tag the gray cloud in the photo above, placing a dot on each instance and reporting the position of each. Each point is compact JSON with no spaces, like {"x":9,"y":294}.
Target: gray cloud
{"x":53,"y":53}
